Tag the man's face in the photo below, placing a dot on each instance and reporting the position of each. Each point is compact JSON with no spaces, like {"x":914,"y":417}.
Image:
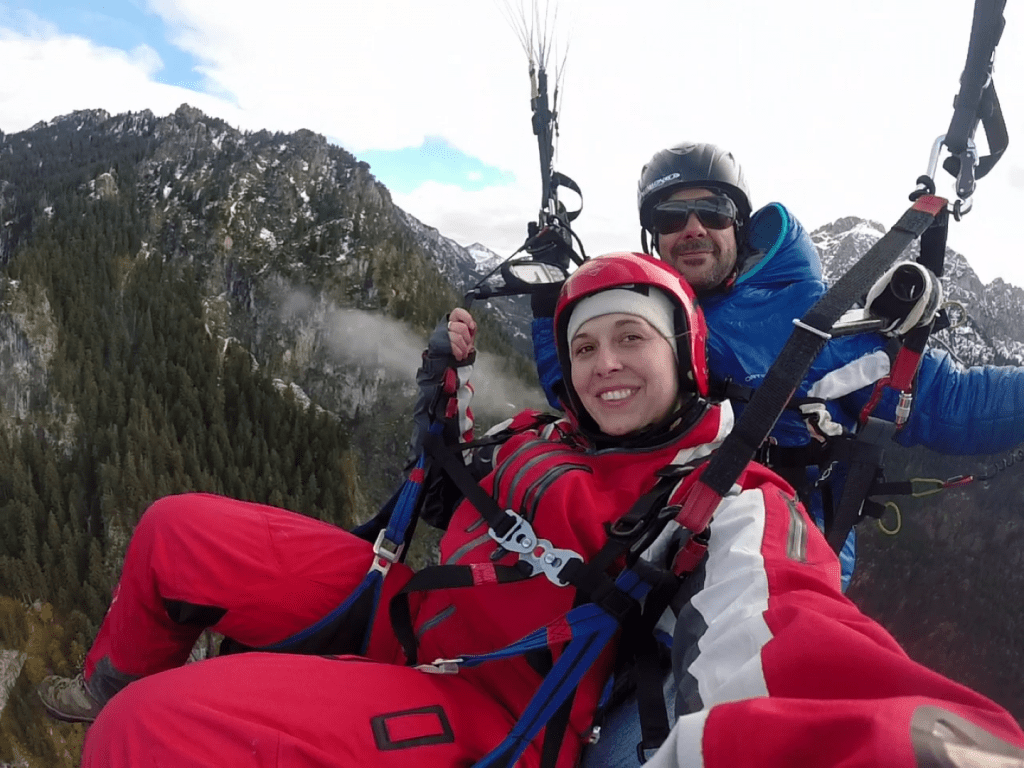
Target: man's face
{"x":705,"y":257}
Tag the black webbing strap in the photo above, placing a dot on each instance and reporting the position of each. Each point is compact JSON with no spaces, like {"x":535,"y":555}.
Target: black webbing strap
{"x":488,"y":508}
{"x":561,"y":180}
{"x":650,"y":676}
{"x":554,"y":730}
{"x":977,"y":101}
{"x":806,"y":341}
{"x":439,"y":577}
{"x":864,"y":466}
{"x":933,"y":244}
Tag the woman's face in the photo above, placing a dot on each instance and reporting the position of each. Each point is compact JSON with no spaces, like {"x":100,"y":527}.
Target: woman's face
{"x":624,"y":372}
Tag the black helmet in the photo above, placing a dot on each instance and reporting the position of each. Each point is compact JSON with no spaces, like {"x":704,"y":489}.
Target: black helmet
{"x":691,"y":165}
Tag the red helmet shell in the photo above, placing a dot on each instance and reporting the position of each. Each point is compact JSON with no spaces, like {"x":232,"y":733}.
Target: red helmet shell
{"x":623,"y":270}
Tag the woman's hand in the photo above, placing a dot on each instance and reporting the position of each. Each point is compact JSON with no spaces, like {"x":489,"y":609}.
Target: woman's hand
{"x":461,"y":331}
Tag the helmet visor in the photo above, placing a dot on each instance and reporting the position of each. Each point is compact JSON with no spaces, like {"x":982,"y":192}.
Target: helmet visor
{"x":712,"y":212}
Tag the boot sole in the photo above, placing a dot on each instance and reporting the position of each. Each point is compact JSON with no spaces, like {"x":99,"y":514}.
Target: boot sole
{"x":65,"y":717}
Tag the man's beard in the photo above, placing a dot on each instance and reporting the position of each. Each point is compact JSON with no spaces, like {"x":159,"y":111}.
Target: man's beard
{"x":719,"y":267}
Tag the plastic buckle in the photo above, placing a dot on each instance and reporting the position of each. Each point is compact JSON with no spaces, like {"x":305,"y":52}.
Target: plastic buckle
{"x":535,"y":552}
{"x":384,"y":558}
{"x":644,"y":754}
{"x":625,"y":529}
{"x":616,"y":603}
{"x":441,"y":667}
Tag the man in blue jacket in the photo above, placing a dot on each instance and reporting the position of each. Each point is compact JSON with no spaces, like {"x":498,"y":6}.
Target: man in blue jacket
{"x":754,"y":273}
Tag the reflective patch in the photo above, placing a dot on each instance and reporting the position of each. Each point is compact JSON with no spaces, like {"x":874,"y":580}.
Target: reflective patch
{"x":410,"y":728}
{"x":468,"y":547}
{"x":944,"y":740}
{"x":796,"y":541}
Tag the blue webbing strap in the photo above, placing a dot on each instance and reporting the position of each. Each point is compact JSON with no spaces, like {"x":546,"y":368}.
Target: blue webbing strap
{"x":592,"y":629}
{"x":403,"y":506}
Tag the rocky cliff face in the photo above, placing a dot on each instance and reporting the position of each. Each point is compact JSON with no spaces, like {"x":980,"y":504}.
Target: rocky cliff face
{"x":301,"y":255}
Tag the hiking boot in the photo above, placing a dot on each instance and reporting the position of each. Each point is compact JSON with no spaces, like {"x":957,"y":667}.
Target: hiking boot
{"x":69,"y":699}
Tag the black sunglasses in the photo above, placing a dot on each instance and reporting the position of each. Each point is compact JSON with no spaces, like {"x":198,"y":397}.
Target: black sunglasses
{"x":712,"y":212}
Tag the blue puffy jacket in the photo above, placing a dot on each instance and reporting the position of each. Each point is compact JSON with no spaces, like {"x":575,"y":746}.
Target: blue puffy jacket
{"x":956,"y":411}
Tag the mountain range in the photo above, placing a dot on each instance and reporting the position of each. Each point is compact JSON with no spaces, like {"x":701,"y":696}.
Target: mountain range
{"x":147,"y":263}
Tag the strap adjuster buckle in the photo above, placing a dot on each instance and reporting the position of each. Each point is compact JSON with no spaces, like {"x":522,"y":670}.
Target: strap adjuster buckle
{"x":441,"y":667}
{"x":385,"y":553}
{"x":615,"y":602}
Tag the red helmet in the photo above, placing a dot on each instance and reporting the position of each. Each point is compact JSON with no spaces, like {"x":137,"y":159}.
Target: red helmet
{"x":637,"y":270}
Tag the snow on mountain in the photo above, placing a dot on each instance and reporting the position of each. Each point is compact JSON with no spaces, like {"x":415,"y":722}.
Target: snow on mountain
{"x":486,"y":259}
{"x":986,"y":318}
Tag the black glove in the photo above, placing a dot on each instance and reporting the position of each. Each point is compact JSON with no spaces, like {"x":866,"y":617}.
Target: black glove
{"x":437,"y":383}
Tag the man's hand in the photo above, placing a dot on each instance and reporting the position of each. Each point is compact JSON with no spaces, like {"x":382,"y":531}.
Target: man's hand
{"x":461,"y":332}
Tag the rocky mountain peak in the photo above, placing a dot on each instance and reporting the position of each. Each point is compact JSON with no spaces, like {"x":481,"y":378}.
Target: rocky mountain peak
{"x":988,"y":333}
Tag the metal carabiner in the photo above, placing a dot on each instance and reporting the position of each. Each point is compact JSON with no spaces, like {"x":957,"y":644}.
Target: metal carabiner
{"x":965,"y":180}
{"x":899,"y":520}
{"x":536,"y":552}
{"x":957,"y":314}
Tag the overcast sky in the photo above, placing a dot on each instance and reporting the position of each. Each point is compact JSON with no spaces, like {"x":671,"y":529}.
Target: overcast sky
{"x":831,"y":107}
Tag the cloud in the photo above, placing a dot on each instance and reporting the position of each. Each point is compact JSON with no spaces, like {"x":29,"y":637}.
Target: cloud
{"x":61,"y":73}
{"x":1017,"y":176}
{"x":824,"y":104}
{"x":499,"y":214}
{"x":374,"y":339}
{"x":377,"y":340}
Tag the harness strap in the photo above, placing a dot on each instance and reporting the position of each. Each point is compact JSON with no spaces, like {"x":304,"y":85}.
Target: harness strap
{"x":346,"y":629}
{"x":554,"y":731}
{"x":808,"y":338}
{"x":977,"y":102}
{"x":441,"y":577}
{"x":654,"y":721}
{"x":730,"y":390}
{"x":631,"y":532}
{"x":497,"y":520}
{"x":587,"y":628}
{"x":592,"y":628}
{"x":865,"y":462}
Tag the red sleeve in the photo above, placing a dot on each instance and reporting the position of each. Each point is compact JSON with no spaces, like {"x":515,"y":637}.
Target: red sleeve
{"x":780,"y":669}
